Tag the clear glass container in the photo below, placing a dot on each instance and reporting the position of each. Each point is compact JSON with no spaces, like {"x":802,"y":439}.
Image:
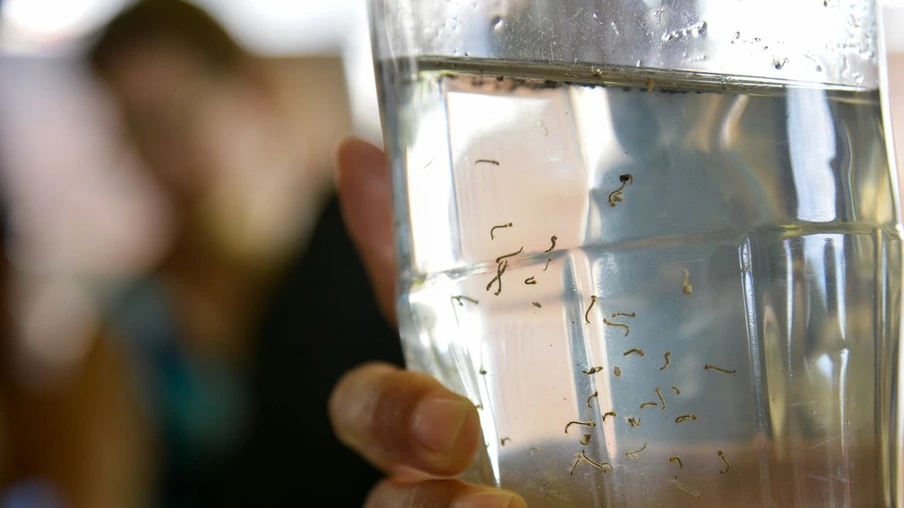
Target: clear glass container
{"x":657,"y":243}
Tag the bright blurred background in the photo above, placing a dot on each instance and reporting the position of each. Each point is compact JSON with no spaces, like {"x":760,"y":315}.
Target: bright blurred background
{"x":82,"y":213}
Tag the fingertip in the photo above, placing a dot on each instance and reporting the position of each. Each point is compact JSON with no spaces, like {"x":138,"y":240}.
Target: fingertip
{"x":355,"y":155}
{"x":364,"y":186}
{"x":345,"y":402}
{"x":446,"y":429}
{"x":401,"y":418}
{"x":490,"y":499}
{"x":448,"y":493}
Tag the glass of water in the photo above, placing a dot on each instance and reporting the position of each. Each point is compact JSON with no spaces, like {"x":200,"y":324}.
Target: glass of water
{"x":656,"y":243}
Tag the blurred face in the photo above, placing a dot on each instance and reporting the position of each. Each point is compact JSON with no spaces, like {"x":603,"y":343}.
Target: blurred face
{"x":186,"y":120}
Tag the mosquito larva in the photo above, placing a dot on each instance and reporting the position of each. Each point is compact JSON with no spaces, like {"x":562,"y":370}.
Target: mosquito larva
{"x":590,"y":398}
{"x":530,"y":281}
{"x":574,"y":465}
{"x":661,"y":400}
{"x":511,"y":254}
{"x":599,"y":465}
{"x":493,"y":280}
{"x":647,"y":404}
{"x":548,"y":260}
{"x":685,"y":287}
{"x":668,"y":360}
{"x":636,"y":453}
{"x":685,"y":488}
{"x":552,"y":239}
{"x":636,"y":350}
{"x":537,"y":305}
{"x":592,"y":371}
{"x":582,"y":424}
{"x":676,"y":460}
{"x":718,"y":369}
{"x":677,"y":391}
{"x":487,"y":161}
{"x":534,"y":449}
{"x":724,"y":460}
{"x":501,"y":226}
{"x":683,"y":418}
{"x":624,"y":314}
{"x":500,"y":269}
{"x":620,"y":325}
{"x":635,"y":422}
{"x":504,"y":440}
{"x":586,"y":439}
{"x":616,"y":195}
{"x":613,"y":414}
{"x":617,"y":371}
{"x":587,"y":314}
{"x":459,"y":298}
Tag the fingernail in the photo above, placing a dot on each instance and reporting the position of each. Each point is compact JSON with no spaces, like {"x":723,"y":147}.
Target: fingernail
{"x":437,"y":423}
{"x":489,"y":500}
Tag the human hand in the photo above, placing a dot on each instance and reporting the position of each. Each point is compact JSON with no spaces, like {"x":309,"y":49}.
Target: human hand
{"x":405,"y":423}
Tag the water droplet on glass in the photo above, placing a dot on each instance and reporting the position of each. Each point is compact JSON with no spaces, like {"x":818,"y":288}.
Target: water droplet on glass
{"x":779,"y":63}
{"x":639,"y":63}
{"x":497,"y":23}
{"x":695,"y":30}
{"x":658,"y":13}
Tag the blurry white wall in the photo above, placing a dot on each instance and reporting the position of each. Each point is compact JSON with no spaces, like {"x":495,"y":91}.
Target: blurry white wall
{"x":268,"y":27}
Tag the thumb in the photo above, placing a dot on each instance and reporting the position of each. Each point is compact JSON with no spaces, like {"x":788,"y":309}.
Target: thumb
{"x":365,"y":195}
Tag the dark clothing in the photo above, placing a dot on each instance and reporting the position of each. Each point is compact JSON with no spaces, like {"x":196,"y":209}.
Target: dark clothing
{"x":321,"y":323}
{"x":262,"y":437}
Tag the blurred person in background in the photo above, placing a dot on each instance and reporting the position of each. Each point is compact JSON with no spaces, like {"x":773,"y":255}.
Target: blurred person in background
{"x":237,"y":336}
{"x":74,"y":441}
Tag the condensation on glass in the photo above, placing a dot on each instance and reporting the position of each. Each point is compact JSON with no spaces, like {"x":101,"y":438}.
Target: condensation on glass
{"x":819,"y":41}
